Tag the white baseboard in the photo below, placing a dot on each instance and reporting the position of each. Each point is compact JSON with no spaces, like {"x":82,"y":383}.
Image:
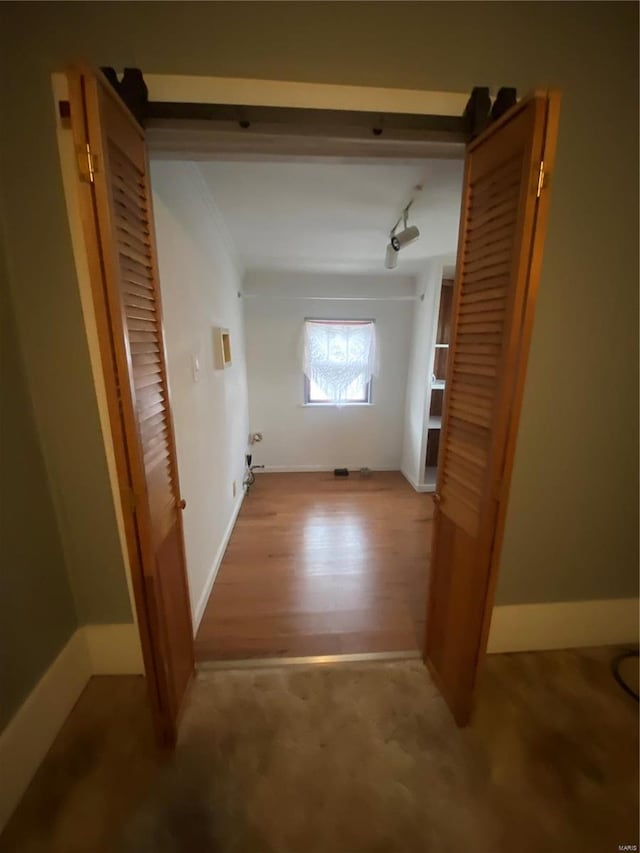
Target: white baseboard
{"x":310,"y":469}
{"x":563,"y":625}
{"x":114,"y":649}
{"x":199,"y":609}
{"x":28,"y":737}
{"x":91,"y":650}
{"x":419,"y":487}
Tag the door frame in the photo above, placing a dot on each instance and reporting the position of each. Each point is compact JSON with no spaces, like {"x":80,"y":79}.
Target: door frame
{"x":251,"y":93}
{"x":223,"y":90}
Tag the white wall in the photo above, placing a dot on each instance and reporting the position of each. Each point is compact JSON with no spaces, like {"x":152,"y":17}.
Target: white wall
{"x":298,"y":437}
{"x":420,"y":368}
{"x":200,"y":280}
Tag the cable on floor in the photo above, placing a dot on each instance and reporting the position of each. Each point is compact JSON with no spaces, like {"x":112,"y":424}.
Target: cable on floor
{"x":615,"y":671}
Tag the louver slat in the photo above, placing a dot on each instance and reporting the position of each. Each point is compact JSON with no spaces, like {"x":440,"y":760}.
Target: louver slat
{"x":479,"y":338}
{"x":134,"y":252}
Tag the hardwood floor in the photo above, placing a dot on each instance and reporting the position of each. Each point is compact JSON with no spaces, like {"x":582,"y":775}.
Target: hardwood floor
{"x":319,"y":565}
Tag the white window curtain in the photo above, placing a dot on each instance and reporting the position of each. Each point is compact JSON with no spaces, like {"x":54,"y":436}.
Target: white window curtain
{"x":339,"y":357}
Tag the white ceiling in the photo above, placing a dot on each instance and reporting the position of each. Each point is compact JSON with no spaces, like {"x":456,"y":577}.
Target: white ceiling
{"x":334,"y":216}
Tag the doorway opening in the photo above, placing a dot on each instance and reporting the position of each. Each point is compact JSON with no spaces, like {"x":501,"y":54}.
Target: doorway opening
{"x":306,"y":563}
{"x":503,"y":217}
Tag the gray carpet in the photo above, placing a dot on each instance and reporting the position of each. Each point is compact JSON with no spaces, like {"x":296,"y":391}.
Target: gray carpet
{"x":366,"y":758}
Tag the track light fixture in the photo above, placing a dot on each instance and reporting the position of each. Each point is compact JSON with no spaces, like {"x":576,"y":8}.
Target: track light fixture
{"x":391,"y":257}
{"x":405,"y":237}
{"x":399,"y":240}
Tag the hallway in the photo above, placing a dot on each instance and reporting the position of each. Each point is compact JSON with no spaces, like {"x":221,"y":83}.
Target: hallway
{"x":319,"y":565}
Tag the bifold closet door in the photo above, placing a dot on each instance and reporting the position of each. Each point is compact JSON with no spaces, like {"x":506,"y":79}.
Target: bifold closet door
{"x":504,"y":207}
{"x":119,"y":232}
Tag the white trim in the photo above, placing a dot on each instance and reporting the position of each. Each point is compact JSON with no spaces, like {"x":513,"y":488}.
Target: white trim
{"x":114,"y":649}
{"x":563,"y":625}
{"x":29,"y":735}
{"x":335,"y":405}
{"x":418,"y":487}
{"x":310,"y":469}
{"x":199,"y":609}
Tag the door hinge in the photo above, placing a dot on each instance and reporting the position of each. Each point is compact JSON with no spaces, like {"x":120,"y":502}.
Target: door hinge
{"x":541,"y":177}
{"x":87,"y":164}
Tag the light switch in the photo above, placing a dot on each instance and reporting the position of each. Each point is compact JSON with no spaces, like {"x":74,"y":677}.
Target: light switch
{"x":195,"y":366}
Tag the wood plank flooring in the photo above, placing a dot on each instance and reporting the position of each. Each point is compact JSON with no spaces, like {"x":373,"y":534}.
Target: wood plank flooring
{"x":319,"y":565}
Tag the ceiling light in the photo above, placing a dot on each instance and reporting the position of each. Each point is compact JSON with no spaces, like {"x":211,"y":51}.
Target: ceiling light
{"x":405,"y":238}
{"x":408,"y":235}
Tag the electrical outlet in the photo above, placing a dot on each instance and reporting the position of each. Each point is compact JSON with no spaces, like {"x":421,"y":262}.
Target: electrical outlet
{"x":234,"y":488}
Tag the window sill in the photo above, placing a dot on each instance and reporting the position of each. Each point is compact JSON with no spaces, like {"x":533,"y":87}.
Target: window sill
{"x":335,"y":405}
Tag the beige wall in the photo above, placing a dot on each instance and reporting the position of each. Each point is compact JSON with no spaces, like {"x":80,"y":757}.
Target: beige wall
{"x":572,"y":524}
{"x":44,"y":291}
{"x":37,"y":613}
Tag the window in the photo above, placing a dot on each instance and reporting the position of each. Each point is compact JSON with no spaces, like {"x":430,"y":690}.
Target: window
{"x":339,"y":361}
{"x":358,"y":392}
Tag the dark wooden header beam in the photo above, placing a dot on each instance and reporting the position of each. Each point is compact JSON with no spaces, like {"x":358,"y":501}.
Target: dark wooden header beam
{"x":251,"y":116}
{"x":305,"y":122}
{"x":301,"y":120}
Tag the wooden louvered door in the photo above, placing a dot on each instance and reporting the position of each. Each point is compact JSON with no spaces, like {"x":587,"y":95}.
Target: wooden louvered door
{"x":504,"y":209}
{"x":121,"y":246}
